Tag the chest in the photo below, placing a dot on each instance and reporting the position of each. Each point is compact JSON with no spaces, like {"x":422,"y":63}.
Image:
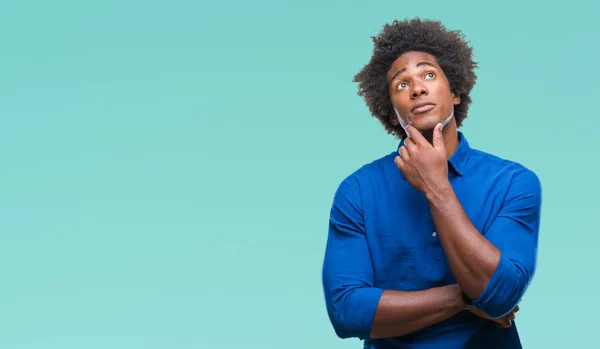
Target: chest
{"x":406,"y":251}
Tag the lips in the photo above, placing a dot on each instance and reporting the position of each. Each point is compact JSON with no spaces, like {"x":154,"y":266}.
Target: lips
{"x":423,"y":107}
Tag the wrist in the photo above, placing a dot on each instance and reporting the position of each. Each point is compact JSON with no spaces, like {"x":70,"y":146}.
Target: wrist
{"x":440,"y":190}
{"x":467,"y":302}
{"x":462,"y":301}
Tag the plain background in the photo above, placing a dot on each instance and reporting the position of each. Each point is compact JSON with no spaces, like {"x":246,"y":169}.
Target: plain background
{"x":168,"y":166}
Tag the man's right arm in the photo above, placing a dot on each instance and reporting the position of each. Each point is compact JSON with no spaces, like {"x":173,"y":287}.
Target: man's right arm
{"x":403,"y":312}
{"x":355,"y":307}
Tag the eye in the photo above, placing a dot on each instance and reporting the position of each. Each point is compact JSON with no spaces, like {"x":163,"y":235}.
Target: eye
{"x":401,"y":85}
{"x":430,"y":75}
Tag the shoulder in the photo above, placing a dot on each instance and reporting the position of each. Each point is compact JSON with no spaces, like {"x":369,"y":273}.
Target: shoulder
{"x":370,"y":172}
{"x":366,"y":176}
{"x":520,"y":180}
{"x":495,"y":164}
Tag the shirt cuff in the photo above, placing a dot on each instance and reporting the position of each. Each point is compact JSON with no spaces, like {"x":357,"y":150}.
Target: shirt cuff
{"x":499,"y":298}
{"x":356,"y":317}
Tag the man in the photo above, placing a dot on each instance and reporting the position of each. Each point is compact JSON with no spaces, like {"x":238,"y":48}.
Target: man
{"x":433,"y":245}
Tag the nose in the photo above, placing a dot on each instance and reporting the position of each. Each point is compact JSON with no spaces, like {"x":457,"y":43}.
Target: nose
{"x":418,"y":90}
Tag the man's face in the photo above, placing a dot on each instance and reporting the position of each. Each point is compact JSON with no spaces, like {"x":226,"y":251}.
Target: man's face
{"x":419,"y":90}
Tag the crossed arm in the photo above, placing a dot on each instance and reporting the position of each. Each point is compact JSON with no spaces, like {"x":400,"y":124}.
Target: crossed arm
{"x":494,"y":270}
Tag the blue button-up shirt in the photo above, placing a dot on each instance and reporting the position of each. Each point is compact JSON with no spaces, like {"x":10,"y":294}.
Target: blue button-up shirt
{"x":382,"y":236}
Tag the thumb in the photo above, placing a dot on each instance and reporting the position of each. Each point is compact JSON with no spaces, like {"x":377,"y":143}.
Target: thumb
{"x":438,"y":137}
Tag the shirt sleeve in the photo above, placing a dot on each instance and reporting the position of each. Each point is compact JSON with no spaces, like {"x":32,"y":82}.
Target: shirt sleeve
{"x":347,"y":273}
{"x":515,"y":233}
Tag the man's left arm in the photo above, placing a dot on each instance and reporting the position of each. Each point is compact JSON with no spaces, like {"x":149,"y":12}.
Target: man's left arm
{"x":494,"y":270}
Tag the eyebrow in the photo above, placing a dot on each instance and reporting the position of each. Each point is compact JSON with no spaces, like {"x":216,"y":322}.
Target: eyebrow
{"x":404,"y":69}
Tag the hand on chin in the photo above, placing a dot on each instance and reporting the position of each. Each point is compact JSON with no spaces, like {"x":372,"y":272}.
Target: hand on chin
{"x":426,"y":127}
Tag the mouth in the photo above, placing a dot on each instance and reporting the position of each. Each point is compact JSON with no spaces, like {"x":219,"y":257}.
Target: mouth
{"x":422,"y":107}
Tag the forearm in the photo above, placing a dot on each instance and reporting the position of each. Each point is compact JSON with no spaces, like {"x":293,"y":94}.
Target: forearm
{"x":471,"y":257}
{"x":402,"y":312}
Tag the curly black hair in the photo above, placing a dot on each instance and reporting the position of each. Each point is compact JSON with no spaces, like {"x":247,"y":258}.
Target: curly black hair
{"x":452,"y":52}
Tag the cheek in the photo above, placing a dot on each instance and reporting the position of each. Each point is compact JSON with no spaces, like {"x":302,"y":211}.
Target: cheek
{"x":399,"y":101}
{"x":444,"y":95}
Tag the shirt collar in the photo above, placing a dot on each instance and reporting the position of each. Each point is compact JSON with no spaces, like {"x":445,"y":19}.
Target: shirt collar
{"x":458,"y":160}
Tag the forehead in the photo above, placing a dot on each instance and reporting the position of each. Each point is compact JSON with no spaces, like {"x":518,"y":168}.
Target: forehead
{"x":410,"y":60}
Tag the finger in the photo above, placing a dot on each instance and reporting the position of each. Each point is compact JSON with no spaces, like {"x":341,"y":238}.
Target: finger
{"x":399,"y":163}
{"x":415,"y":135}
{"x":404,"y":153}
{"x":503,"y":322}
{"x":398,"y":160}
{"x":410,"y":145}
{"x":516,"y":309}
{"x":511,"y":316}
{"x":438,"y":136}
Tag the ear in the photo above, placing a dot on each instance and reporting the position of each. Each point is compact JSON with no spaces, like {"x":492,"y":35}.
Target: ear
{"x":455,"y":99}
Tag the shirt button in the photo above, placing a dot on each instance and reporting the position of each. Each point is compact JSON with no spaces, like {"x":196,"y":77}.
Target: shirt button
{"x":434,"y":234}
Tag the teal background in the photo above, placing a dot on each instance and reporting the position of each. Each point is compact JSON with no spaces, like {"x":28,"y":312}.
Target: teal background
{"x":168,"y":167}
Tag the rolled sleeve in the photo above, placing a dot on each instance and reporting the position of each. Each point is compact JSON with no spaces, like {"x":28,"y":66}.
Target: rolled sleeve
{"x":515,"y":233}
{"x":347,"y":273}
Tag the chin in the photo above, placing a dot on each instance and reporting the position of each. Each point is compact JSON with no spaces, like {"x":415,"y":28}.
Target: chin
{"x":426,"y":122}
{"x":425,"y":126}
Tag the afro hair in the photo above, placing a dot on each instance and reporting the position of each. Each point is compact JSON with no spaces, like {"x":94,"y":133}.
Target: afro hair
{"x":451,"y":51}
